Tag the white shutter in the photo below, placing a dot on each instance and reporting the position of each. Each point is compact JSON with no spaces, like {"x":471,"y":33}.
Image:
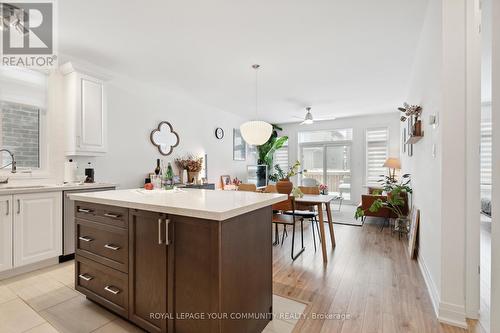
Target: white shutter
{"x":486,"y":153}
{"x":281,"y":157}
{"x":376,"y":153}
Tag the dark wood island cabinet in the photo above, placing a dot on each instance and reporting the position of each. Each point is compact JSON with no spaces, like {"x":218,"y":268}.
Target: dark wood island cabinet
{"x":176,"y":273}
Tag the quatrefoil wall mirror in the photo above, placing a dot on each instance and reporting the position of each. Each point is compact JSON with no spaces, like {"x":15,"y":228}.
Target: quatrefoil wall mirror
{"x":165,"y":138}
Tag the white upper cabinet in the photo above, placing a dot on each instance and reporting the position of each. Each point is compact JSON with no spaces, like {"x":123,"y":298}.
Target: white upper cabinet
{"x":85,"y":109}
{"x":6,"y":259}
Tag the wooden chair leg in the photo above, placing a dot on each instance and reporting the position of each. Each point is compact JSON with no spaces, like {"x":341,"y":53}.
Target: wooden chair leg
{"x":283,"y":237}
{"x":276,"y":235}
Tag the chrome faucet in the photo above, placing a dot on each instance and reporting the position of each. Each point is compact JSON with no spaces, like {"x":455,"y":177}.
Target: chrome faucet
{"x":13,"y":163}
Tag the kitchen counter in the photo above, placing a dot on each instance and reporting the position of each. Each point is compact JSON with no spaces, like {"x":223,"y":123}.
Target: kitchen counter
{"x":205,"y":204}
{"x":38,"y":188}
{"x":185,"y":260}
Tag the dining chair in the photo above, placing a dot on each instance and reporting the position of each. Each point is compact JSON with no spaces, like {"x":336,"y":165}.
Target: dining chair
{"x":247,"y":187}
{"x":290,"y":218}
{"x":270,"y":189}
{"x":308,"y":212}
{"x":309,"y":182}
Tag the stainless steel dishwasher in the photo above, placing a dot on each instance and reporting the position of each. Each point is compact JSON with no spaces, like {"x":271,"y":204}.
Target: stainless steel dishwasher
{"x":69,"y":221}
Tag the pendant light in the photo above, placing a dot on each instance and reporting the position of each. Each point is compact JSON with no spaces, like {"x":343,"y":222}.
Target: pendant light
{"x":256,"y":132}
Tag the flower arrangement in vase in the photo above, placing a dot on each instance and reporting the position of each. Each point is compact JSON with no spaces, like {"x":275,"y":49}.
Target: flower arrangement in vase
{"x":323,"y":188}
{"x":192,"y":164}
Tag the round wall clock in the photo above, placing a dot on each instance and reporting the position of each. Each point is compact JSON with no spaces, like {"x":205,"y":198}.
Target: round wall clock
{"x":219,"y":133}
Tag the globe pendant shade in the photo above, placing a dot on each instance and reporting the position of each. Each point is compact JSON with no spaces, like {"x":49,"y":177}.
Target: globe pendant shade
{"x":256,"y":132}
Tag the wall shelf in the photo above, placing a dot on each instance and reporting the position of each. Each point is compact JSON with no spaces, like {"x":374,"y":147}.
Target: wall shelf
{"x":414,"y":139}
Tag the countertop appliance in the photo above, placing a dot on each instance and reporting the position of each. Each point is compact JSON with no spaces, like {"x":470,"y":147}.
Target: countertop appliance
{"x":69,"y":220}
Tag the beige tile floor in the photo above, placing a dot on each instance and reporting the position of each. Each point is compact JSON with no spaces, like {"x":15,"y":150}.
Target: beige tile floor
{"x":44,"y":301}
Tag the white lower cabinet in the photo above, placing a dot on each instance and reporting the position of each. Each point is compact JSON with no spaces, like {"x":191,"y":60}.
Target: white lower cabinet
{"x":30,"y":228}
{"x":6,"y":258}
{"x":37,"y":227}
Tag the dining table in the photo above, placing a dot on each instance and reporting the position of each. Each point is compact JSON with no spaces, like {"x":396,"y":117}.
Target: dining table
{"x":319,"y":201}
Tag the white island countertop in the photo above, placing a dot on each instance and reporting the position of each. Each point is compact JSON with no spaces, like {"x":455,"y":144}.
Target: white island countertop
{"x":204,"y":204}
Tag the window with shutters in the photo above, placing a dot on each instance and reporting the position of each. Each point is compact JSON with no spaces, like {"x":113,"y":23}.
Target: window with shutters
{"x":377,"y":147}
{"x":281,"y":157}
{"x":486,"y":153}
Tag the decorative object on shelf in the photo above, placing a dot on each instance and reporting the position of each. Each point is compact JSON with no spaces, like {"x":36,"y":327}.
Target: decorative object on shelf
{"x":193,"y":165}
{"x":225,"y":180}
{"x":308,"y":119}
{"x":323,"y":189}
{"x":282,"y":178}
{"x":412,"y":114}
{"x":414,"y":225}
{"x":396,"y":202}
{"x":236,"y":181}
{"x":239,"y":146}
{"x":256,"y":132}
{"x":267,"y":150}
{"x":165,"y":138}
{"x":392,"y":163}
{"x":219,"y":133}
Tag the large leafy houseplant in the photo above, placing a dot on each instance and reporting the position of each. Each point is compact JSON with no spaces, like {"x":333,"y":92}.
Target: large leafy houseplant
{"x":267,"y":150}
{"x":397,"y":196}
{"x":281,"y":174}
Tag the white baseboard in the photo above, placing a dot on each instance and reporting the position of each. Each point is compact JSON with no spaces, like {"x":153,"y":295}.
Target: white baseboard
{"x":431,"y":286}
{"x":446,"y":313}
{"x":452,"y":314}
{"x":29,"y":268}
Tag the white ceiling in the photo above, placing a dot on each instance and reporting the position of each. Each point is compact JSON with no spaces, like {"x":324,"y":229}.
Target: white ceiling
{"x":341,"y":57}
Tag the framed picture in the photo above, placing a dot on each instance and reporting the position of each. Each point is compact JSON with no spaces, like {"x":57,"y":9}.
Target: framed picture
{"x":225,"y":180}
{"x":409,"y":130}
{"x":403,"y":142}
{"x":414,"y":224}
{"x":239,"y":146}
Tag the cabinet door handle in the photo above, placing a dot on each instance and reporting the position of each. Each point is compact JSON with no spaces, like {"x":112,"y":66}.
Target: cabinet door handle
{"x":83,"y":210}
{"x":114,"y":216}
{"x":7,"y":212}
{"x":167,"y":240}
{"x":85,"y":239}
{"x":159,"y":232}
{"x":85,"y":277}
{"x":113,"y":291}
{"x":18,"y":206}
{"x":112,"y":247}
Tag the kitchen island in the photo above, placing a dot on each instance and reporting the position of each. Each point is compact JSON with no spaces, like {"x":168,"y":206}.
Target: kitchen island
{"x":178,"y":261}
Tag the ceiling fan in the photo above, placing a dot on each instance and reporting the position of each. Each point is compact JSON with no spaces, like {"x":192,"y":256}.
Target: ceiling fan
{"x":309,"y":119}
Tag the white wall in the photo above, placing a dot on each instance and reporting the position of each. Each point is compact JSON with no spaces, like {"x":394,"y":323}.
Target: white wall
{"x":425,"y":89}
{"x":134,"y":110}
{"x":495,"y":225}
{"x":358,"y":152}
{"x":445,"y":165}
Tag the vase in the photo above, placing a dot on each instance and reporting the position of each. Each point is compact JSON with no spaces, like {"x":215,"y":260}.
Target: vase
{"x":284,"y":186}
{"x":192,"y":176}
{"x":402,"y":226}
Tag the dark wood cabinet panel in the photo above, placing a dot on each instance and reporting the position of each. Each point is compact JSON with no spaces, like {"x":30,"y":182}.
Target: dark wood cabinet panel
{"x":102,"y":284}
{"x":103,"y":243}
{"x":187,"y":267}
{"x":148,"y":271}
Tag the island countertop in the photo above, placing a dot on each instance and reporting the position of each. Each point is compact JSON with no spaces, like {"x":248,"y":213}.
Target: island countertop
{"x":204,"y":204}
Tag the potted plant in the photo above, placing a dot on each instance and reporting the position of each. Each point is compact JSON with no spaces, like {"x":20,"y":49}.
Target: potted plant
{"x":282,"y":178}
{"x":267,"y":150}
{"x":396,"y":202}
{"x":323,"y":188}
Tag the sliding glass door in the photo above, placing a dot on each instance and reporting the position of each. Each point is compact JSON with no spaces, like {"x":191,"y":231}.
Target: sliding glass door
{"x":328,"y":163}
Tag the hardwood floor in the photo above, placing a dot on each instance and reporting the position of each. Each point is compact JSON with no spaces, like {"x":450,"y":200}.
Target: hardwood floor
{"x":369,"y":278}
